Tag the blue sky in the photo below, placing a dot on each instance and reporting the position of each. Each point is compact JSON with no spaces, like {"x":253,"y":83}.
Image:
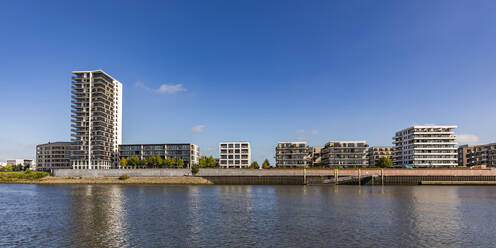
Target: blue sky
{"x":261,"y":71}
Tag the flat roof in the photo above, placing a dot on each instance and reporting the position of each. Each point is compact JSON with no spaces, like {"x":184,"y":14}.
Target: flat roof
{"x":99,"y":70}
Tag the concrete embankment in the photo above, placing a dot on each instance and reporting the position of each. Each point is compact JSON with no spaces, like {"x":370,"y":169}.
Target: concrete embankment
{"x":112,"y":180}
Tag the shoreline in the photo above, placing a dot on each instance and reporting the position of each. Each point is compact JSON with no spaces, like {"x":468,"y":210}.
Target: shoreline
{"x":112,"y":180}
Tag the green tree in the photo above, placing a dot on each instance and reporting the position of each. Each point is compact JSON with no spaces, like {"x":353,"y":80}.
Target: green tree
{"x":123,"y":162}
{"x":203,"y":161}
{"x":180,"y":163}
{"x":384,"y":162}
{"x":7,"y":168}
{"x":133,"y":161}
{"x":266,"y":164}
{"x":211,"y":163}
{"x":152,"y":161}
{"x":142,"y":162}
{"x":169,"y":162}
{"x":254,"y":165}
{"x":195,"y":169}
{"x":160,"y":161}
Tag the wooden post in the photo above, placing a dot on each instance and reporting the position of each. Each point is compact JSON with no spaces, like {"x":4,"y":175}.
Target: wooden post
{"x":382,"y":176}
{"x":336,"y":175}
{"x":359,"y":181}
{"x":305,"y":176}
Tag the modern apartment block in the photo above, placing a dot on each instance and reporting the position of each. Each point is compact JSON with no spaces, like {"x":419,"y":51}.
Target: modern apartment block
{"x":476,"y":155}
{"x":96,"y":120}
{"x":377,"y":152}
{"x":315,"y":156}
{"x":189,"y":153}
{"x":24,"y":163}
{"x":234,"y":154}
{"x":425,"y":146}
{"x":345,"y":154}
{"x":56,"y":155}
{"x":292,"y":155}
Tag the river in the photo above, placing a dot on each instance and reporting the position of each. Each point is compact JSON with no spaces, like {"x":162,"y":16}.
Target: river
{"x":246,"y":216}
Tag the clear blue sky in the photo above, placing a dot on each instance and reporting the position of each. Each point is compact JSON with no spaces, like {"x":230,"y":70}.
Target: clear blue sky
{"x":261,"y":71}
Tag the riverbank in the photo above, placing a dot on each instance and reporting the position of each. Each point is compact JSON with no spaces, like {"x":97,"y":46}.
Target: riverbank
{"x":109,"y":180}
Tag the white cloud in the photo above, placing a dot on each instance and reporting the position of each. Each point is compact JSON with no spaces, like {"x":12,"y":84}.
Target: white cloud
{"x":198,"y":129}
{"x":315,"y":132}
{"x":300,"y":130}
{"x":467,"y":138}
{"x":164,"y":88}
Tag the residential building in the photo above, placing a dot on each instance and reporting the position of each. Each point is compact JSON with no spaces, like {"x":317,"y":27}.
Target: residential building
{"x":292,"y":155}
{"x":189,"y":153}
{"x":345,"y":154}
{"x":425,"y":146}
{"x":2,"y":164}
{"x":377,"y":152}
{"x":477,"y":155}
{"x":96,"y":120}
{"x":24,"y":163}
{"x":56,"y":155}
{"x":316,"y":156}
{"x":234,"y":154}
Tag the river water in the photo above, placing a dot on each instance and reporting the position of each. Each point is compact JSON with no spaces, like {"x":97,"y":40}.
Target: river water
{"x":246,"y":216}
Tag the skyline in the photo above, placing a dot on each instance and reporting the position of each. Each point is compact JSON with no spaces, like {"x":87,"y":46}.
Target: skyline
{"x":349,"y":66}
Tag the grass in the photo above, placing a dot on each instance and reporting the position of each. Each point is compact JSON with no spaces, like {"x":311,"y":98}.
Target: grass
{"x":22,"y":175}
{"x":124,"y":177}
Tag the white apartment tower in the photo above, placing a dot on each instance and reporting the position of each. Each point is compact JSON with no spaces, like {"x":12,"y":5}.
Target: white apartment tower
{"x":96,"y":119}
{"x":234,"y":154}
{"x":425,"y":146}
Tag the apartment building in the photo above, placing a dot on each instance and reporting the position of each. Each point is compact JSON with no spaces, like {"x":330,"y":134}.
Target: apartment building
{"x":55,"y":155}
{"x":377,"y":152}
{"x":189,"y":153}
{"x":234,"y":154}
{"x":476,"y":155}
{"x":315,"y":156}
{"x":345,"y":154}
{"x":425,"y":146}
{"x":292,"y":155}
{"x":24,"y":163}
{"x":96,"y":119}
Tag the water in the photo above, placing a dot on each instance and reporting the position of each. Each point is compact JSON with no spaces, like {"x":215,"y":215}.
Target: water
{"x":246,"y":216}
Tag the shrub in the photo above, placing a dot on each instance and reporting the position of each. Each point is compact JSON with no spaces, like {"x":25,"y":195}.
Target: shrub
{"x":124,"y":177}
{"x":195,"y":169}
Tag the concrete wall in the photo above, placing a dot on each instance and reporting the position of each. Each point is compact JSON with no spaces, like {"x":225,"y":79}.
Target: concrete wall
{"x":272,"y":172}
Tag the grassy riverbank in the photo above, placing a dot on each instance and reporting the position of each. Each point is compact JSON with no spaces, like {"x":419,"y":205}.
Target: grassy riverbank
{"x":108,"y":180}
{"x":15,"y":176}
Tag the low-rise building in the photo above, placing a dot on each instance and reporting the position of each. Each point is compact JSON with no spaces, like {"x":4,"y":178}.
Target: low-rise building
{"x":477,"y":155}
{"x":189,"y":153}
{"x":292,"y":155}
{"x":56,"y":155}
{"x":23,"y":163}
{"x":345,"y":154}
{"x":377,"y":152}
{"x":234,"y":154}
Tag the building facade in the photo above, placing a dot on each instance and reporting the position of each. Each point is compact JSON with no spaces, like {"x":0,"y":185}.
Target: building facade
{"x":315,"y":156}
{"x":345,"y":154}
{"x":477,"y":155}
{"x":23,"y":163}
{"x":425,"y":146}
{"x":96,"y":119}
{"x":292,"y":155}
{"x":56,"y":155}
{"x":234,"y":154}
{"x":189,"y":153}
{"x":377,"y":152}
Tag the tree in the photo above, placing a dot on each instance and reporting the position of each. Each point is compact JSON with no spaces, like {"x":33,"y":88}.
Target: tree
{"x":203,"y":161}
{"x":195,"y":169}
{"x":266,"y":164}
{"x":123,"y":162}
{"x":211,"y":163}
{"x":160,"y":161}
{"x":254,"y":165}
{"x":152,"y":161}
{"x":169,"y":162}
{"x":384,"y":162}
{"x":180,"y":163}
{"x":142,"y":162}
{"x":134,"y":161}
